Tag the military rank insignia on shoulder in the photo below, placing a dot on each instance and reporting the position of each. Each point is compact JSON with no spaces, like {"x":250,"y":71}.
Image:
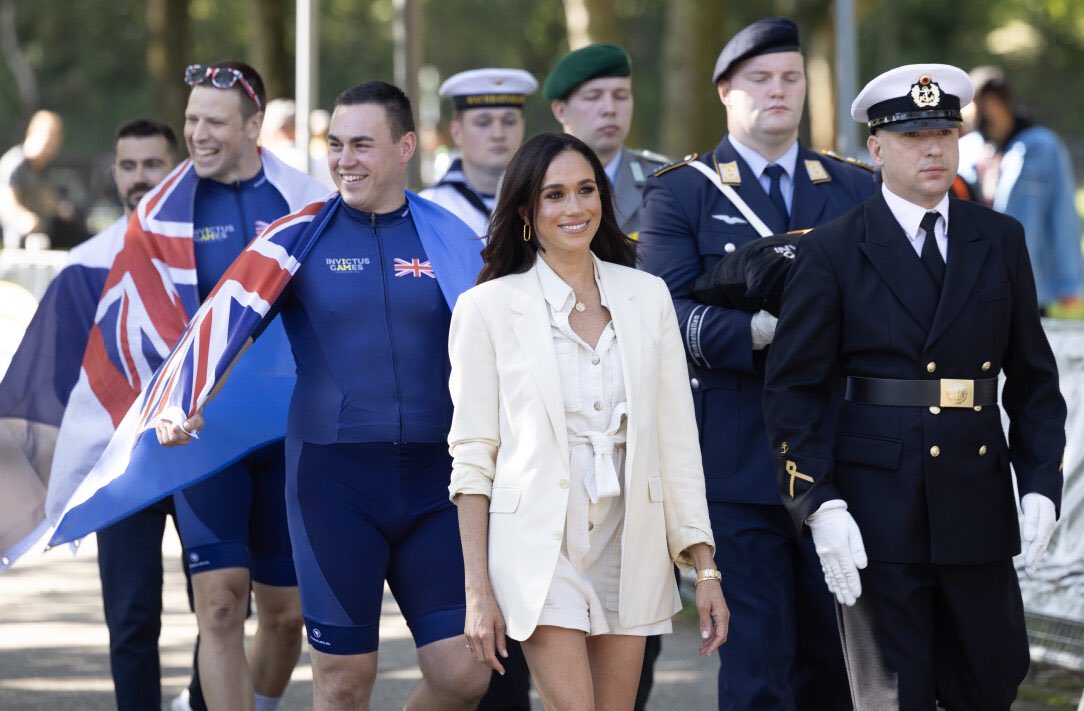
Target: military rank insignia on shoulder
{"x":844,"y":159}
{"x":650,"y":156}
{"x":676,"y":164}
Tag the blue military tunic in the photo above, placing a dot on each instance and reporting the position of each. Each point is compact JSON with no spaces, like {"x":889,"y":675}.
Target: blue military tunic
{"x":688,"y":226}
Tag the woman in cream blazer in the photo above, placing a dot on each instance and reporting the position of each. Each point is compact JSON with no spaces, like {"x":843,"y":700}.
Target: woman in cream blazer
{"x":510,"y":440}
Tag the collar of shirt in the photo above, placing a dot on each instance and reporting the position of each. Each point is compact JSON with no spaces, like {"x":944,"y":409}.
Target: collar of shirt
{"x":910,"y":215}
{"x":757,"y":163}
{"x":559,"y":294}
{"x":561,"y":299}
{"x":613,"y":166}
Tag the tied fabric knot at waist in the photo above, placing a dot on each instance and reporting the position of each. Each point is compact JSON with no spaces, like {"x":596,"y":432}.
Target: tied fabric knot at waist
{"x":602,"y":481}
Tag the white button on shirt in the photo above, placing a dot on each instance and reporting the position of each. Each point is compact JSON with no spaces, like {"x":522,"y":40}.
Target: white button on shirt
{"x":594,"y":399}
{"x":910,"y":215}
{"x":588,"y":572}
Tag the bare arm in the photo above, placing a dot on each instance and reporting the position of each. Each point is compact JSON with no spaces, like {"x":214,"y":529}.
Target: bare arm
{"x":710,"y":604}
{"x":484,"y":626}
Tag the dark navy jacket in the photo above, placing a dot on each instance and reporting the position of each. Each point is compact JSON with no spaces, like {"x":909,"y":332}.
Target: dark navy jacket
{"x":859,"y":302}
{"x":687,"y":226}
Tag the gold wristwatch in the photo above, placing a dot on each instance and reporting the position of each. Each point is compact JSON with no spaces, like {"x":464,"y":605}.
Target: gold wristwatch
{"x":708,"y":574}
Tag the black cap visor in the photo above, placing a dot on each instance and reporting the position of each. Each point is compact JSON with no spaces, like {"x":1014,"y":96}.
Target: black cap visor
{"x":917,"y":121}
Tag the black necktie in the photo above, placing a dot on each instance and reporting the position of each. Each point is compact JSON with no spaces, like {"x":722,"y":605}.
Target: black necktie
{"x":775,"y":192}
{"x":931,"y":255}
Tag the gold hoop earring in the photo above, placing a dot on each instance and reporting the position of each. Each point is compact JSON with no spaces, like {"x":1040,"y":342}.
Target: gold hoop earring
{"x":526,"y":232}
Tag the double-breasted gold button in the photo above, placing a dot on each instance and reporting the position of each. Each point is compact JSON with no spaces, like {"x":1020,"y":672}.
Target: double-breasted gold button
{"x":563,"y":483}
{"x":935,"y":451}
{"x":931,"y":367}
{"x":982,"y":451}
{"x":987,"y":365}
{"x":935,"y":410}
{"x":977,"y":408}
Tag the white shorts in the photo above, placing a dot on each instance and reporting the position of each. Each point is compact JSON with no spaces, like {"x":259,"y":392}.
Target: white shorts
{"x":573,"y":603}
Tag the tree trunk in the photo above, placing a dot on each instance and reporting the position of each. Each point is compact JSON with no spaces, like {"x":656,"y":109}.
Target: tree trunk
{"x":267,"y":49}
{"x":820,"y":84}
{"x":590,"y":21}
{"x":693,"y":119}
{"x":15,"y":59}
{"x":167,"y":51}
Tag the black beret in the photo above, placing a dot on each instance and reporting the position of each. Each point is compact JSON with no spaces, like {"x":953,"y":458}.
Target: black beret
{"x":590,"y":62}
{"x":772,"y":34}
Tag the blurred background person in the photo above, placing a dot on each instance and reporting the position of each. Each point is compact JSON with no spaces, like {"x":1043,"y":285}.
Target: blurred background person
{"x":277,"y":133}
{"x":487,"y":128}
{"x":319,"y":124}
{"x":1023,"y":169}
{"x":29,"y":203}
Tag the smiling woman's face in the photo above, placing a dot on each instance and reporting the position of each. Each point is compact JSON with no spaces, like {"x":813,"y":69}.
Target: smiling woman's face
{"x":568,"y":210}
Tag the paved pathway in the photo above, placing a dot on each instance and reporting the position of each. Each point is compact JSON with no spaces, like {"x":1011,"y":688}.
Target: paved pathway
{"x":54,"y":645}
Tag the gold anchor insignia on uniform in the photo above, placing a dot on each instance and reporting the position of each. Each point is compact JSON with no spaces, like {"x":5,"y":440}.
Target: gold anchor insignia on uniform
{"x":792,"y":469}
{"x":784,"y":448}
{"x":816,"y":171}
{"x":925,"y":92}
{"x":729,"y":173}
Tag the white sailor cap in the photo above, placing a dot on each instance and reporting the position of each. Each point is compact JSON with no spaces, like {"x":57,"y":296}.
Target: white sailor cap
{"x":914,"y":97}
{"x":488,"y":88}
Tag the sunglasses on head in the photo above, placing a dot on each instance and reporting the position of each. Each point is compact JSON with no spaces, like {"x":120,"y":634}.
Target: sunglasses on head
{"x":220,"y":78}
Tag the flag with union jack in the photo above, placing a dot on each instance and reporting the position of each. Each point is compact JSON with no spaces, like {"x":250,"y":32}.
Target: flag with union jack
{"x":126,"y":479}
{"x":149,"y":294}
{"x":415,"y":267}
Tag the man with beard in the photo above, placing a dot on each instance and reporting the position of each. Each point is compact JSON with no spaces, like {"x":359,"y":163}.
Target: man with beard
{"x":42,"y":374}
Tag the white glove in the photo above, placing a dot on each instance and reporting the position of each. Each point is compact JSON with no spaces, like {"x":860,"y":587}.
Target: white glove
{"x":1038,"y":526}
{"x":839,"y":546}
{"x":762,"y":326}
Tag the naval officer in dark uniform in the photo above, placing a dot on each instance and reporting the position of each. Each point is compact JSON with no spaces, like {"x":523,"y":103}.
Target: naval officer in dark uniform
{"x":781,"y":653}
{"x":919,"y":301}
{"x":590,"y":94}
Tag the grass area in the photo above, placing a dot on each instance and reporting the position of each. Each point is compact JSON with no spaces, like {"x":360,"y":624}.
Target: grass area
{"x":1053,"y":687}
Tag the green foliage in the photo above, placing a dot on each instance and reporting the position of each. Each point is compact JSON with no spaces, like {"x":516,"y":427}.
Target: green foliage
{"x":89,"y":57}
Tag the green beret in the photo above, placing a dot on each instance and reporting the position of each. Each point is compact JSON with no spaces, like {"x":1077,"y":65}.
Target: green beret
{"x":590,"y":62}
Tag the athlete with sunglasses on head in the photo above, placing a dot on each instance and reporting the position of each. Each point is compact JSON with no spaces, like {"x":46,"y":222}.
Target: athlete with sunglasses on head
{"x":233,"y":524}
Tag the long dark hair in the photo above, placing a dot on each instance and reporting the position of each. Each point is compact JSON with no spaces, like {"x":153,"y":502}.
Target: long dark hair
{"x":507,"y":252}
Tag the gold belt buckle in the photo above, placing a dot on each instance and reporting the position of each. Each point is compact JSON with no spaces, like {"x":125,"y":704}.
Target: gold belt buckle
{"x":957,"y":393}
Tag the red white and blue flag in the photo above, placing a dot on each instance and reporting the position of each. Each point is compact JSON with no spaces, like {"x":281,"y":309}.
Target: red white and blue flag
{"x":149,"y":294}
{"x":414,"y":267}
{"x":134,"y":470}
{"x":38,"y":382}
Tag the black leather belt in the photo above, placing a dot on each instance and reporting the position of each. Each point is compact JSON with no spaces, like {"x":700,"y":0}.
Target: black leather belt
{"x":946,"y":392}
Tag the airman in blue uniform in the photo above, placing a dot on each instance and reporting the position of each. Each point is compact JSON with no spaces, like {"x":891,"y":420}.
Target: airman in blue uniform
{"x":781,"y":652}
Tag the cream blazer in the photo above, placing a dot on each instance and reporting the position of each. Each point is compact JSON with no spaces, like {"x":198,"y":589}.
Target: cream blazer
{"x":509,"y":441}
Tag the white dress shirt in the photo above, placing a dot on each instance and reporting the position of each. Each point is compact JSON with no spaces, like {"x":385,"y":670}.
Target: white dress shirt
{"x":757,"y":163}
{"x":910,"y":215}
